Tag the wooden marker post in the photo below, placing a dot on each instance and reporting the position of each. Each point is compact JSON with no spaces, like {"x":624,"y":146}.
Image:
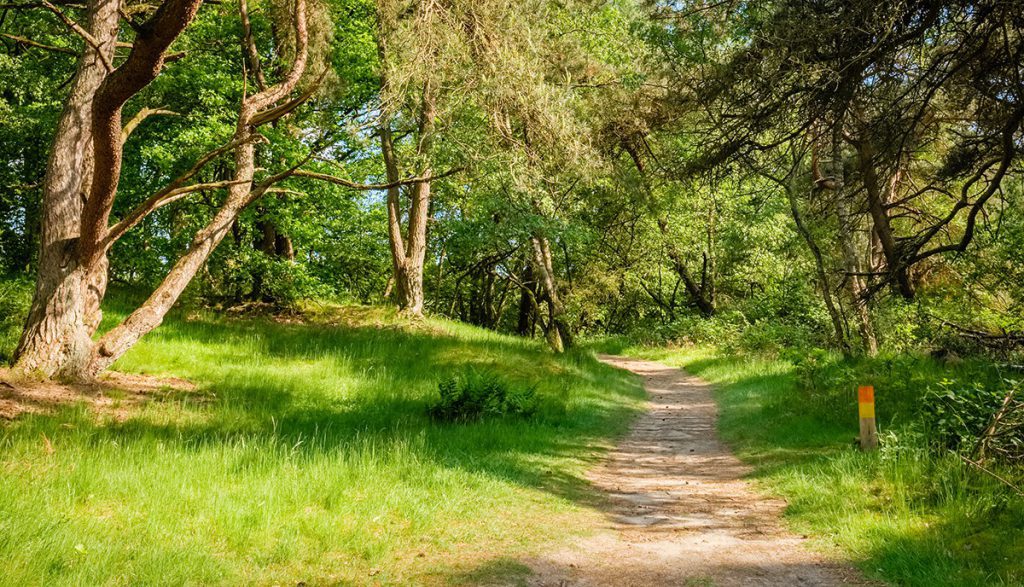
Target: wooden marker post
{"x":868,"y":430}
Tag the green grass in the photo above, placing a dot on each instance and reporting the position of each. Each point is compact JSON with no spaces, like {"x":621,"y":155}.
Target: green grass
{"x":904,"y":514}
{"x":306,"y":455}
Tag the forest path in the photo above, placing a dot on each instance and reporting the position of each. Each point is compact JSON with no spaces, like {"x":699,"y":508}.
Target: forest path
{"x":679,"y":510}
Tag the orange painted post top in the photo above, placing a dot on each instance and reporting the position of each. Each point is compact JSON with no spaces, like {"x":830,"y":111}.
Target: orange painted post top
{"x":866,"y":394}
{"x":866,"y":408}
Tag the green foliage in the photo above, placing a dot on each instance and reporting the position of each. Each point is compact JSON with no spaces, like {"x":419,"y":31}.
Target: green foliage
{"x":959,"y":415}
{"x":475,"y":395}
{"x":15,"y":297}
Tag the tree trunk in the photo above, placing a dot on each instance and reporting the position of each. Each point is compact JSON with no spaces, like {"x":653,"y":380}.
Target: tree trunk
{"x":64,"y":312}
{"x":524,"y":327}
{"x":558,"y":334}
{"x":878,"y":207}
{"x":849,"y":243}
{"x":408,"y":252}
{"x":85,"y":257}
{"x":151,"y":313}
{"x":700,"y":294}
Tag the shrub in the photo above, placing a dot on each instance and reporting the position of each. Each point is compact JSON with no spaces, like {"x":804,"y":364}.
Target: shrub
{"x":474,"y":395}
{"x":692,"y":329}
{"x":962,"y":417}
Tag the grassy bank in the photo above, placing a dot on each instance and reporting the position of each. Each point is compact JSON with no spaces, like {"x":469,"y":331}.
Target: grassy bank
{"x":907,"y":514}
{"x":306,"y":455}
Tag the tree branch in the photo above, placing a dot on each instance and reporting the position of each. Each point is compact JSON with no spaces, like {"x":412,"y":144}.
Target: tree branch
{"x":141,"y":116}
{"x":168,"y":194}
{"x":373,"y":186}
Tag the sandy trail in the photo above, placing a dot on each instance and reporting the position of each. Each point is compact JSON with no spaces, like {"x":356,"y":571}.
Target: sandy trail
{"x":680,"y":512}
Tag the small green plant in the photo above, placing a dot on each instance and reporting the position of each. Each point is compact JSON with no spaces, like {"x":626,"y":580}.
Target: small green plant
{"x":475,"y":395}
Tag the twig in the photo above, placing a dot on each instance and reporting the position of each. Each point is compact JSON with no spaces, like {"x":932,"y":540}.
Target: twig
{"x":1016,"y":489}
{"x":38,"y":45}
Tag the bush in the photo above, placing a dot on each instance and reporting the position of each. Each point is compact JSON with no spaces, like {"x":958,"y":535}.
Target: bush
{"x":474,"y":395}
{"x":959,"y":416}
{"x":695,"y":330}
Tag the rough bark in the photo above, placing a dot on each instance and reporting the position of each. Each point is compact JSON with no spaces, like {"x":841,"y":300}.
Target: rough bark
{"x":57,"y":331}
{"x":86,"y":255}
{"x":241,"y":193}
{"x":142,"y":66}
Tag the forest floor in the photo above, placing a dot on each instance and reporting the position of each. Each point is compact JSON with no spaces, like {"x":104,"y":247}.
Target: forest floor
{"x":679,"y":509}
{"x":114,"y":394}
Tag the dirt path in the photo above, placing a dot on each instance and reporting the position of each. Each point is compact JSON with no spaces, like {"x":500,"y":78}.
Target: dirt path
{"x":680,"y":512}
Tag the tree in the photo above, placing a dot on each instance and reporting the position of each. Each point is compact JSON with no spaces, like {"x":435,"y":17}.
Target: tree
{"x":87,"y":156}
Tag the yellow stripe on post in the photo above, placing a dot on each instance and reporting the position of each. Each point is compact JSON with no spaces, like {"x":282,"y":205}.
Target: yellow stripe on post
{"x":868,"y":429}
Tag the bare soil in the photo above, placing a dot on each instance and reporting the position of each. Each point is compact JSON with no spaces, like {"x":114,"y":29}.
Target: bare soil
{"x":680,"y":511}
{"x":114,"y":393}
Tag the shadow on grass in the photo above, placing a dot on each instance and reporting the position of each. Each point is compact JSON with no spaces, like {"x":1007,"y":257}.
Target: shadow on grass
{"x":507,"y":572}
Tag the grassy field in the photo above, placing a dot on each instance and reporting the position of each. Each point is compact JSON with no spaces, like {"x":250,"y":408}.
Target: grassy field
{"x":306,"y":455}
{"x":905,"y":514}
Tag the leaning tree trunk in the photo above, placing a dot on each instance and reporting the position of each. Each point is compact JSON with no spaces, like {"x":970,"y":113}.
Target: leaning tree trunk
{"x":838,"y":326}
{"x":702,"y":294}
{"x":65,"y":308}
{"x":151,"y":313}
{"x":255,"y":110}
{"x":87,"y":256}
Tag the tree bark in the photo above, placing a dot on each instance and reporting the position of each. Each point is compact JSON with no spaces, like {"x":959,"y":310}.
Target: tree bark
{"x":408,"y":251}
{"x":241,"y":193}
{"x":86,"y":256}
{"x":62,"y":316}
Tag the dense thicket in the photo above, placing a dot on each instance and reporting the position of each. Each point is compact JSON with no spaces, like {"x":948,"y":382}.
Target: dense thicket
{"x":661,"y":170}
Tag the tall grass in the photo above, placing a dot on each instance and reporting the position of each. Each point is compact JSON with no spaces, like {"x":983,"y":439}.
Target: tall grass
{"x":306,"y":455}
